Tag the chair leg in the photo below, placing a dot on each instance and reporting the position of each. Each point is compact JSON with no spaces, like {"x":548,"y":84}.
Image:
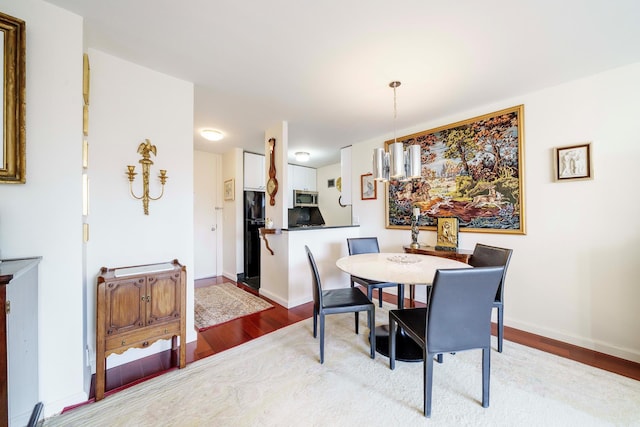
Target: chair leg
{"x":392,"y":343}
{"x":500,"y":327}
{"x":486,"y":371}
{"x":428,"y":382}
{"x":357,"y":322}
{"x":315,"y":322}
{"x":380,"y":296}
{"x":372,"y":330}
{"x":321,"y":338}
{"x":400,"y":296}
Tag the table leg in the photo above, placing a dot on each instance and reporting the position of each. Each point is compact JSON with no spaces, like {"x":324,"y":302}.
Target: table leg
{"x":406,"y":348}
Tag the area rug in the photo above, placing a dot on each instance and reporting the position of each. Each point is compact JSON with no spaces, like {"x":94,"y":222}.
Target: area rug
{"x":277,"y":380}
{"x":217,"y":304}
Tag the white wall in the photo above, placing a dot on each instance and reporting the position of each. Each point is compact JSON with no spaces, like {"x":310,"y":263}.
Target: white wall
{"x":44,"y":216}
{"x":129,"y":104}
{"x":574,"y":275}
{"x":332,"y":212}
{"x":232,"y":214}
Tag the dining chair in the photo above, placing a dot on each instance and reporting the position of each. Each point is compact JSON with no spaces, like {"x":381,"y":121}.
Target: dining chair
{"x":457,"y":317}
{"x":368,"y":245}
{"x":341,"y":300}
{"x":490,"y":256}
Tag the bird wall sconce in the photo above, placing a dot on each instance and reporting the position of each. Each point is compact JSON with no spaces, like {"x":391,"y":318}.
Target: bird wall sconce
{"x":145,"y":149}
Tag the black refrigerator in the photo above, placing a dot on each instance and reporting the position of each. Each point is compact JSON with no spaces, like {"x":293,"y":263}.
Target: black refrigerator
{"x":253,"y":221}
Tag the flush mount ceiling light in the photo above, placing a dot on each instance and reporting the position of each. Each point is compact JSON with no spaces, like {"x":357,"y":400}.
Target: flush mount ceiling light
{"x":302,"y":156}
{"x":397,"y":163}
{"x":212,"y":134}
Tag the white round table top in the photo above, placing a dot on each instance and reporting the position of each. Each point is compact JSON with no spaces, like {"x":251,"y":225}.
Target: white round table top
{"x":396,"y":267}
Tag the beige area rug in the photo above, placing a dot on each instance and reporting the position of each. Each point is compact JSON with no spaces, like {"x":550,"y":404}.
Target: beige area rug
{"x":277,"y":380}
{"x":218,"y":304}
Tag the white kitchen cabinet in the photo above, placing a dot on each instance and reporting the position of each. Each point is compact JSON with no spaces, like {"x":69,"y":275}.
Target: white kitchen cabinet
{"x":345,"y":175}
{"x":301,"y":178}
{"x":304,"y":178}
{"x":254,"y":172}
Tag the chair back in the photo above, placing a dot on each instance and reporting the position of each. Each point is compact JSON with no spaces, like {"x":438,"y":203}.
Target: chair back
{"x":491,"y":256}
{"x":459,"y":309}
{"x":315,"y":280}
{"x":363,"y":245}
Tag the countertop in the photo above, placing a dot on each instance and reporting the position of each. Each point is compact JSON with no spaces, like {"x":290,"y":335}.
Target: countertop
{"x":318,"y":227}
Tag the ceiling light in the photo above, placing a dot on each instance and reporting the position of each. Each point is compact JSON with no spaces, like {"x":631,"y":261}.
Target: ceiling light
{"x":397,"y":163}
{"x":212,"y":134}
{"x":302,"y":156}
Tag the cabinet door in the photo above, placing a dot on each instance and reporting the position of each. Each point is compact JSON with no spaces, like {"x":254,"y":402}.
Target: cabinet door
{"x":125,"y":301}
{"x":254,"y":172}
{"x":304,"y":178}
{"x":163,"y":302}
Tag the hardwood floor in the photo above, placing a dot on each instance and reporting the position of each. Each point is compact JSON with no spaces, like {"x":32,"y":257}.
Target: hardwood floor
{"x":239,"y":331}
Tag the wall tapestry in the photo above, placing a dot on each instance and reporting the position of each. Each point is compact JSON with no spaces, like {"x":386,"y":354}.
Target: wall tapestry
{"x":472,"y":170}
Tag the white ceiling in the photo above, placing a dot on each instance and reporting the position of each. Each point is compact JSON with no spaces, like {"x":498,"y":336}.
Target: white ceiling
{"x":325,"y":66}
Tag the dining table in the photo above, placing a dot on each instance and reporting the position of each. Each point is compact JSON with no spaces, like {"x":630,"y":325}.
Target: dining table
{"x":404,"y":268}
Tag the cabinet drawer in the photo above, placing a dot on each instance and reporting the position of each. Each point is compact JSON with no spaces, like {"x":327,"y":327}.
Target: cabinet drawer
{"x":139,"y":337}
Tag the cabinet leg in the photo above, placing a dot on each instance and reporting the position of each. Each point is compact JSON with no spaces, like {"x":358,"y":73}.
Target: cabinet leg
{"x":100,"y":377}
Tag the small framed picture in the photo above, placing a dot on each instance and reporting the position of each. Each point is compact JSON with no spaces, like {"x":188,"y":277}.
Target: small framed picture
{"x":573,"y":162}
{"x":368,"y":190}
{"x":447,"y":237}
{"x":229,"y":190}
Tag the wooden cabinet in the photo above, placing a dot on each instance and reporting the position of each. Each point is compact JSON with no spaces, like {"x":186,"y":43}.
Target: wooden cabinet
{"x":19,"y":391}
{"x":461,"y":255}
{"x":137,"y":306}
{"x":254,"y":172}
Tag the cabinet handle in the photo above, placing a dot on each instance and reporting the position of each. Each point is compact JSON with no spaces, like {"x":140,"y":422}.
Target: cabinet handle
{"x":146,"y":343}
{"x":123,"y":342}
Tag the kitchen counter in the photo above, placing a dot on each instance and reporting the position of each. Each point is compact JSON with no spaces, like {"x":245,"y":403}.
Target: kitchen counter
{"x":318,"y":227}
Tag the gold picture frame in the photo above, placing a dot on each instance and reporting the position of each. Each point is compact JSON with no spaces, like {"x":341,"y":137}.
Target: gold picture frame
{"x":573,"y":162}
{"x":13,"y":150}
{"x":447,"y":233}
{"x":368,"y":190}
{"x":472,"y":169}
{"x":229,"y":189}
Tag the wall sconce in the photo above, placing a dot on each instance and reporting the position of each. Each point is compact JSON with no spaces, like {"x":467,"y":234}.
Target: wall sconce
{"x":145,"y":149}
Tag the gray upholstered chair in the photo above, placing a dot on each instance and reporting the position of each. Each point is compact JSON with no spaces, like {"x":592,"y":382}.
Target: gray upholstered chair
{"x":368,"y":245}
{"x":457,"y":318}
{"x":341,"y":300}
{"x":490,"y":256}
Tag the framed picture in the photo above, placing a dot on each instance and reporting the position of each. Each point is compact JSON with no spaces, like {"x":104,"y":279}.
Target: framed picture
{"x":368,"y":190}
{"x":472,"y":170}
{"x":13,"y":77}
{"x":573,"y":162}
{"x":229,"y":190}
{"x":447,"y":234}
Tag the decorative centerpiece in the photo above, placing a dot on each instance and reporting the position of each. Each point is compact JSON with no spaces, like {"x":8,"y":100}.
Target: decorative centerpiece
{"x":414,"y":228}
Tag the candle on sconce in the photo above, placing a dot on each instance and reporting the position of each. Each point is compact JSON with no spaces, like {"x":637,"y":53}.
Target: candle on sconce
{"x":416,"y":212}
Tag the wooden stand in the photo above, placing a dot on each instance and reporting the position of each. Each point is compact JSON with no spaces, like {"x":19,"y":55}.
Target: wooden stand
{"x":137,"y":306}
{"x":458,"y":254}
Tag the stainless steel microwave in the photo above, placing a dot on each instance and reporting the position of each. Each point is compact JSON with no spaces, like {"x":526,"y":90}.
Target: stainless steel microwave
{"x":305,"y":199}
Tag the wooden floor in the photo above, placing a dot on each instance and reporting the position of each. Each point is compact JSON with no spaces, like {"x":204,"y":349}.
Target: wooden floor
{"x":239,"y":331}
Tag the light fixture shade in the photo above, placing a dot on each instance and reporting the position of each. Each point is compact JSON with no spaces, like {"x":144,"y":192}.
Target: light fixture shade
{"x":302,"y":156}
{"x":380,"y":164}
{"x":212,"y":134}
{"x":396,"y":161}
{"x":414,"y":165}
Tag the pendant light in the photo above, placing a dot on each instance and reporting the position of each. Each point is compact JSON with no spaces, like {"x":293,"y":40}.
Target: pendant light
{"x":397,"y":164}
